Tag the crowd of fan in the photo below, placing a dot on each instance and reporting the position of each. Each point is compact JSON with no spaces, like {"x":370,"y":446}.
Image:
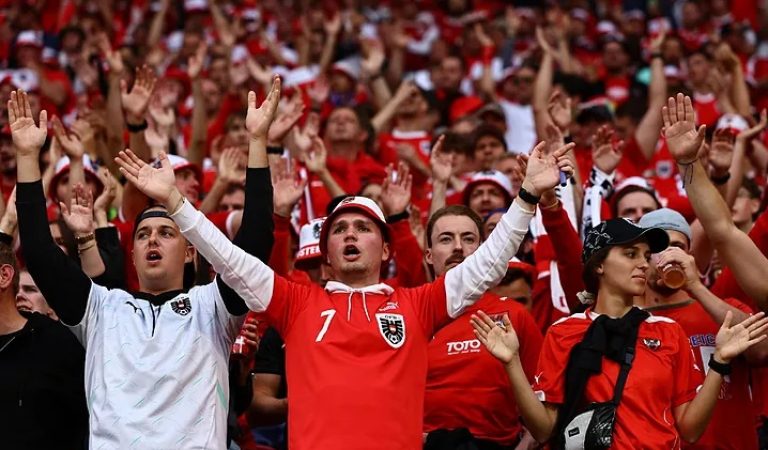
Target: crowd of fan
{"x":417,"y":105}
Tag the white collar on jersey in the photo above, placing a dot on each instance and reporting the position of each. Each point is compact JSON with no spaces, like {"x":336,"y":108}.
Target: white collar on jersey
{"x":333,"y":287}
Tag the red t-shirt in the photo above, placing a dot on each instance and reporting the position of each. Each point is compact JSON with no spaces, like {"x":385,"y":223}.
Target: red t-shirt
{"x":420,"y":141}
{"x":356,"y":363}
{"x":731,"y":426}
{"x":467,"y":387}
{"x":707,"y":111}
{"x":664,"y":375}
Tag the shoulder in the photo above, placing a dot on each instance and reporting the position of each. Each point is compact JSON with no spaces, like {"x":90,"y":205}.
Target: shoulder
{"x":664,"y":325}
{"x":572,"y":326}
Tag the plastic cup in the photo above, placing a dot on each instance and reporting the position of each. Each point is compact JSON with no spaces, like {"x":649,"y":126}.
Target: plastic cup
{"x":673,"y":276}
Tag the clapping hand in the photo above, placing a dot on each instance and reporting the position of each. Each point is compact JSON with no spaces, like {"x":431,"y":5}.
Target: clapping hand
{"x":606,"y":153}
{"x":287,"y":189}
{"x":70,"y":142}
{"x":136,"y":101}
{"x":440,"y":162}
{"x":258,"y":120}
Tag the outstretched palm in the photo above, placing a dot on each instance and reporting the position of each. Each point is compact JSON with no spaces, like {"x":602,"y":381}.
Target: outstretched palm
{"x":79,"y":215}
{"x":258,"y":120}
{"x":683,"y":139}
{"x":71,"y":143}
{"x":396,"y":194}
{"x":27,"y":137}
{"x":543,"y":171}
{"x":500,"y":342}
{"x":155,"y":181}
{"x":732,"y":341}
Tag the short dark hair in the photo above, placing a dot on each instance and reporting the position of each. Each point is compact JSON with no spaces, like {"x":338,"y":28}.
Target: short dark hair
{"x":513,"y":275}
{"x":488,"y":130}
{"x":454,"y":210}
{"x":456,"y":143}
{"x":7,"y":256}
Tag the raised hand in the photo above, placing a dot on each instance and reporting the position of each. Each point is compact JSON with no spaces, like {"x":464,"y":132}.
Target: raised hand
{"x":196,"y":61}
{"x":559,"y":108}
{"x":606,"y":154}
{"x":544,"y":44}
{"x":69,"y":142}
{"x":732,"y":341}
{"x":258,"y":120}
{"x":319,"y":91}
{"x":333,"y":26}
{"x":396,"y":195}
{"x":405,"y":91}
{"x":27,"y":137}
{"x":286,"y":120}
{"x":287,"y":189}
{"x":683,"y":139}
{"x":750,"y":133}
{"x":316,"y":160}
{"x":83,"y":129}
{"x":440,"y":162}
{"x":156,"y":181}
{"x":79,"y":215}
{"x":164,"y":117}
{"x":720,"y":152}
{"x":113,"y":57}
{"x":107,"y":196}
{"x":501,"y":342}
{"x":543,"y":170}
{"x":232,"y":166}
{"x":301,"y":138}
{"x":136,"y":101}
{"x":374,"y":59}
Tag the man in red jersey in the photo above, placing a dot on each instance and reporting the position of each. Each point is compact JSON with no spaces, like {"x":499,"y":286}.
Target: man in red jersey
{"x":701,"y":313}
{"x":356,"y":357}
{"x":466,"y":387}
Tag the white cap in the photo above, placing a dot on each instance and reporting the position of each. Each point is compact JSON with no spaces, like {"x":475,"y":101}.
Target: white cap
{"x":31,"y":38}
{"x":488,"y":176}
{"x":362,"y":205}
{"x":309,"y":242}
{"x":733,"y":122}
{"x":349,"y":66}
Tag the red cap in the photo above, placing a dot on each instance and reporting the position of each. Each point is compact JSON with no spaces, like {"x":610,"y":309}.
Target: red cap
{"x":465,"y":106}
{"x":363,"y":205}
{"x":180,"y":163}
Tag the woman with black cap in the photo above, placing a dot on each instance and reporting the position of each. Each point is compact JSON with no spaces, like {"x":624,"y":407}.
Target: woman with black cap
{"x":615,"y":376}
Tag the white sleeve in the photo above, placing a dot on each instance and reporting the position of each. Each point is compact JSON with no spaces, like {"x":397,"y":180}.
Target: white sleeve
{"x":484,"y":268}
{"x":250,"y":278}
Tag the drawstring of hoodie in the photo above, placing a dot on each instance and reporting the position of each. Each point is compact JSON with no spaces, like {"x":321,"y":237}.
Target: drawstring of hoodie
{"x":349,"y":305}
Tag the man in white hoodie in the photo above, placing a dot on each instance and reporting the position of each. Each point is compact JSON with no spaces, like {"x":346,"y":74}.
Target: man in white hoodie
{"x":356,"y":351}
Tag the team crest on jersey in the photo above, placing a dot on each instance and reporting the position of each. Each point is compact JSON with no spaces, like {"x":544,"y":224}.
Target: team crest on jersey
{"x":181,"y":306}
{"x":392,"y":329}
{"x":652,"y":344}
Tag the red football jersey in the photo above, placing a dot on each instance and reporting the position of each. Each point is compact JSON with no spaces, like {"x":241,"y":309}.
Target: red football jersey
{"x":731,"y":426}
{"x":467,"y":387}
{"x":372,"y":360}
{"x":421,"y":141}
{"x":664,"y":375}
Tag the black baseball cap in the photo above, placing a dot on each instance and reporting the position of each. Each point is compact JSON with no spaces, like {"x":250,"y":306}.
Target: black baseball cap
{"x":619,"y":232}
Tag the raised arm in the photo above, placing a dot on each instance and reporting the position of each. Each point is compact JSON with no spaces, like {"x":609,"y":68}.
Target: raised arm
{"x":197,"y":144}
{"x":749,"y":265}
{"x":62,"y":283}
{"x":647,"y":132}
{"x":483,"y":270}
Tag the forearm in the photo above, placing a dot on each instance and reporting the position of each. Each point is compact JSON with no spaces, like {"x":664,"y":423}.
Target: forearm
{"x":417,"y":164}
{"x":381,"y":93}
{"x":439,"y":191}
{"x":114,"y":121}
{"x":647,"y":132}
{"x":334,"y":189}
{"x":740,"y":92}
{"x":108,"y":242}
{"x":385,"y":114}
{"x":213,"y":198}
{"x":197,"y":149}
{"x":257,"y":153}
{"x":543,"y":84}
{"x":537,"y":418}
{"x":709,"y":206}
{"x":698,"y":411}
{"x":156,"y":26}
{"x":251,"y":279}
{"x":267,"y":410}
{"x":327,"y":54}
{"x":138,"y":144}
{"x":408,"y":257}
{"x":76,"y":173}
{"x":484,"y":268}
{"x":715,"y":307}
{"x":62,"y":283}
{"x":736,"y":171}
{"x":91,"y":262}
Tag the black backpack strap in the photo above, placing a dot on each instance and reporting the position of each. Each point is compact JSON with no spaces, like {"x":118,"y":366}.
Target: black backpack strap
{"x":638,"y":317}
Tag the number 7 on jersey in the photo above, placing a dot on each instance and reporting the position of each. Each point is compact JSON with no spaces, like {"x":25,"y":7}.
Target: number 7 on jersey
{"x":328,"y":314}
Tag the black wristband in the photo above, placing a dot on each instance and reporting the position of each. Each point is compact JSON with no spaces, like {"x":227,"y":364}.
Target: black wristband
{"x":722,"y":369}
{"x":398,"y":217}
{"x":719,"y":181}
{"x":528,"y":197}
{"x":137,"y":128}
{"x":274,"y":150}
{"x":656,"y":55}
